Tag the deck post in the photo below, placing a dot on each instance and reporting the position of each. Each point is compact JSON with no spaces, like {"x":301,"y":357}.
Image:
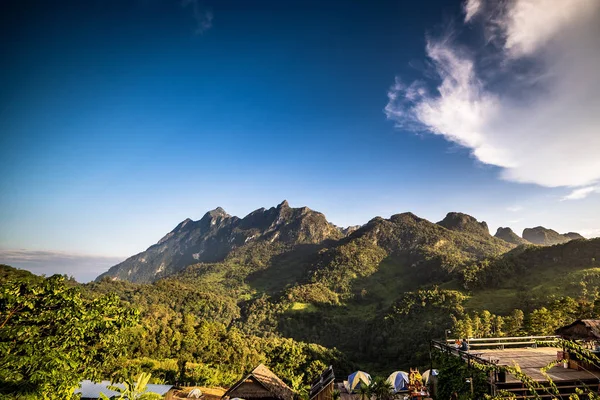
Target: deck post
{"x":430,"y":355}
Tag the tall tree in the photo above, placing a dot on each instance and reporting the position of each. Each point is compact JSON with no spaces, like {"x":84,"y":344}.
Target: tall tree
{"x":51,"y":337}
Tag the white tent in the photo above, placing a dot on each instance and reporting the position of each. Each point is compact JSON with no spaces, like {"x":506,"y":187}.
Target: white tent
{"x":356,"y":379}
{"x":428,"y":375}
{"x":399,"y":380}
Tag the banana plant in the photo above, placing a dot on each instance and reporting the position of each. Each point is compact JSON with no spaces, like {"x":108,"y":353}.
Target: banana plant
{"x":133,"y":390}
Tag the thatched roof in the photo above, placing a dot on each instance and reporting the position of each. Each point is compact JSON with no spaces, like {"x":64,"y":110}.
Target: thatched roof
{"x":261,"y":383}
{"x":582,"y":329}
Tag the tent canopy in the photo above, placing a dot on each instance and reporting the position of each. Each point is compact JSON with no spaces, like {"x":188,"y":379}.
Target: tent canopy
{"x":358,"y":378}
{"x":399,"y":380}
{"x":428,"y":375}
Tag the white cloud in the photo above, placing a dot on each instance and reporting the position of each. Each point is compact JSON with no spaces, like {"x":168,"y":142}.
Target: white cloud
{"x":529,"y":104}
{"x":581,"y":193}
{"x":530,"y":24}
{"x":471,"y":8}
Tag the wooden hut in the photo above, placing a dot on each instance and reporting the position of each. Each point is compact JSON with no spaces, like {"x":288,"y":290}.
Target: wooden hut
{"x":260,"y":384}
{"x":322,"y":387}
{"x":582,"y":329}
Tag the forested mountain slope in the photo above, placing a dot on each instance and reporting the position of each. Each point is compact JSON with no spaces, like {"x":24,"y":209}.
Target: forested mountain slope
{"x":286,"y":287}
{"x":372,"y":300}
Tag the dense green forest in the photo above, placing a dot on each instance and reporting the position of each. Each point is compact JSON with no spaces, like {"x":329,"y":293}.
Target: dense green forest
{"x":371,"y":300}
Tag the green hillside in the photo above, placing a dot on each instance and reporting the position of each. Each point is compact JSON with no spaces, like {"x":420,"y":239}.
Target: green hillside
{"x":371,"y":299}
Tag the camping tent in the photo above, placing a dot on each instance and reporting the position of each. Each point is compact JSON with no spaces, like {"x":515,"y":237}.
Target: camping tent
{"x":399,"y":380}
{"x":356,"y":379}
{"x":429,"y":375}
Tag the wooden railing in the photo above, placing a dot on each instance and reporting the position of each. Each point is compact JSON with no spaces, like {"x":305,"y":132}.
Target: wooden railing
{"x":466,"y":356}
{"x":502,"y":342}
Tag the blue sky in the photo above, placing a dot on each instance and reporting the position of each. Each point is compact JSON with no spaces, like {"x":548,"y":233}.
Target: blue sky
{"x":119,"y":119}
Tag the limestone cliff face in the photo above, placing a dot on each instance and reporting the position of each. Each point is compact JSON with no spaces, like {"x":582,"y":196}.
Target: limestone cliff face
{"x":217,"y":233}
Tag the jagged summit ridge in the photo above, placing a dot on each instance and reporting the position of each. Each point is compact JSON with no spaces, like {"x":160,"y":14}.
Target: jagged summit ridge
{"x":217,"y":234}
{"x":217,"y":213}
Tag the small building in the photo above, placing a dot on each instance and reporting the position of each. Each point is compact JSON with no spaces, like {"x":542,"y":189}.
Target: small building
{"x":260,"y":384}
{"x":322,"y":387}
{"x":583,"y":329}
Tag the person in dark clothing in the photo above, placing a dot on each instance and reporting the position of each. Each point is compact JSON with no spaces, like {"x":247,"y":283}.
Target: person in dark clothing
{"x":464,"y":346}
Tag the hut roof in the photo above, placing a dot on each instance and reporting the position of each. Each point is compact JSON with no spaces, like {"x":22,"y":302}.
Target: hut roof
{"x":582,"y":329}
{"x":263,"y":376}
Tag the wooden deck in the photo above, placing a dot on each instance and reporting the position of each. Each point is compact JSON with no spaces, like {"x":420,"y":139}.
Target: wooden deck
{"x":344,"y":395}
{"x":531,"y":360}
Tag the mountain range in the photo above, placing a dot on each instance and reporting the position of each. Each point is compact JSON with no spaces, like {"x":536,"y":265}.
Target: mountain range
{"x":372,"y":294}
{"x":218,"y":235}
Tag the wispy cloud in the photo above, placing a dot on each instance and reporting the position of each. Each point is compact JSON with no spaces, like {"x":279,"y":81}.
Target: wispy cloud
{"x":581,"y":193}
{"x":526,"y":99}
{"x":202,"y":15}
{"x":82,"y":267}
{"x":515,"y":208}
{"x":471,"y":8}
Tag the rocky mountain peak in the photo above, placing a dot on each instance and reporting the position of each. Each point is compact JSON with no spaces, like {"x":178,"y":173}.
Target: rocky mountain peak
{"x":405,"y":217}
{"x":457,"y":221}
{"x":283,"y":204}
{"x":509,"y":236}
{"x":349,"y":230}
{"x":573,"y":235}
{"x":543,"y":236}
{"x":217,"y":212}
{"x":548,"y":237}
